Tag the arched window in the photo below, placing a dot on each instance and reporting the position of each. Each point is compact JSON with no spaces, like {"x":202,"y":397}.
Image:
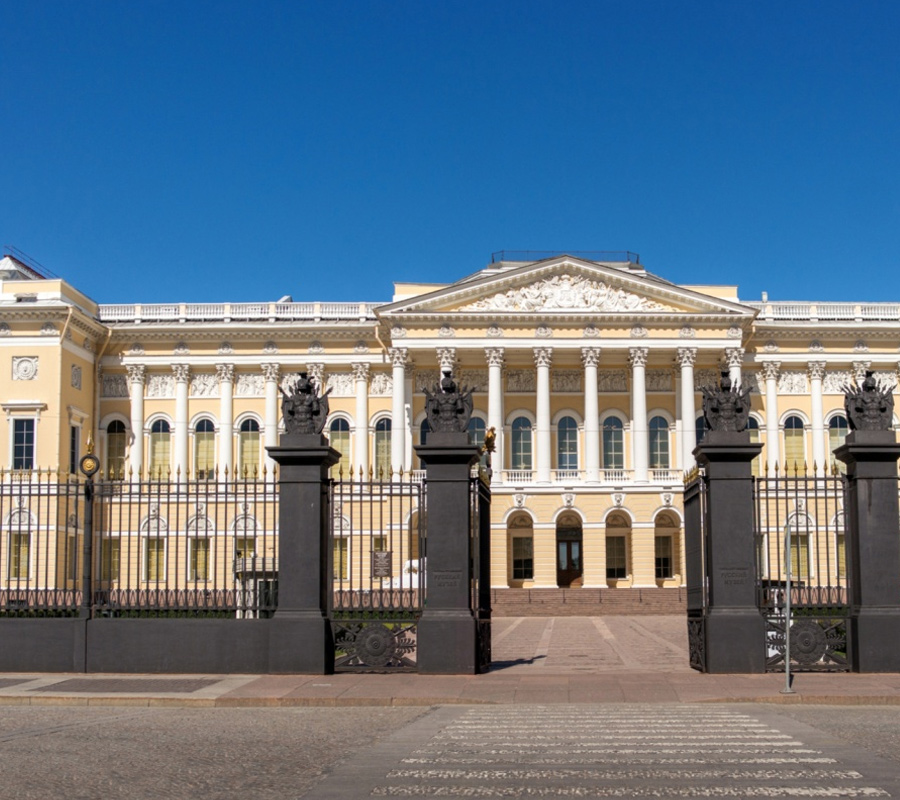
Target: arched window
{"x":613,"y":443}
{"x":837,"y":432}
{"x":753,"y":427}
{"x":794,"y":444}
{"x":567,"y":444}
{"x":248,"y":446}
{"x":659,"y":443}
{"x":477,"y":429}
{"x":204,"y":449}
{"x":521,"y":443}
{"x":116,"y":442}
{"x":700,"y":428}
{"x":339,"y":439}
{"x":382,"y":463}
{"x":160,"y":438}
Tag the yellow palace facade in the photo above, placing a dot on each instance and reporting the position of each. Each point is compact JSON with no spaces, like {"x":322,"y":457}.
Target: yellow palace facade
{"x":589,"y":369}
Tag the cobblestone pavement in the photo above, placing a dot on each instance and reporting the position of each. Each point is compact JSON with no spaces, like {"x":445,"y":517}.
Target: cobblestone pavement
{"x":609,"y":751}
{"x":633,"y":750}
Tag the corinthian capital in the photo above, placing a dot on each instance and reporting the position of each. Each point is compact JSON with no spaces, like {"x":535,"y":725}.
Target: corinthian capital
{"x":399,"y":356}
{"x":270,"y":371}
{"x":637,"y":356}
{"x":543,"y":356}
{"x":816,"y":370}
{"x":494,"y":356}
{"x":136,"y":373}
{"x":360,"y":371}
{"x":447,"y":358}
{"x":734,"y":356}
{"x":687,"y":356}
{"x":182,"y":373}
{"x":225,"y":373}
{"x":590,"y":356}
{"x":770,"y":370}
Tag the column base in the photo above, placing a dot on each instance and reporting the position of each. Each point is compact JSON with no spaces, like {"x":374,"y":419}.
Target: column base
{"x":735,"y":642}
{"x":447,"y":644}
{"x":875,"y":637}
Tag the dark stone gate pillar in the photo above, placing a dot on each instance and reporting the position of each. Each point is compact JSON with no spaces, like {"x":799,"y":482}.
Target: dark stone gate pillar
{"x":735,"y":629}
{"x":301,"y":638}
{"x":873,"y":548}
{"x":448,"y":628}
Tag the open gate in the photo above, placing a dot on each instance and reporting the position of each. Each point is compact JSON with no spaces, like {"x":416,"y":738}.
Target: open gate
{"x":377,"y":553}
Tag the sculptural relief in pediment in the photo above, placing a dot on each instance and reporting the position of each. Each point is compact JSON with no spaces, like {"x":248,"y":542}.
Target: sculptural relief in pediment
{"x":567,"y":293}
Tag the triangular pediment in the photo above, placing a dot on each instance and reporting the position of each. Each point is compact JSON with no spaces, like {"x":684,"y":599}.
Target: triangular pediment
{"x":564,"y":286}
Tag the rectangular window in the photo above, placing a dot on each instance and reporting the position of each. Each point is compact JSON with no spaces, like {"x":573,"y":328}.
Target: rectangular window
{"x":199,"y":559}
{"x":205,"y":456}
{"x":23,"y":444}
{"x":249,"y":442}
{"x":109,"y":559}
{"x":245,"y":547}
{"x":664,"y":563}
{"x":20,"y":548}
{"x":341,"y":571}
{"x":74,"y":437}
{"x":616,"y":559}
{"x":613,"y":449}
{"x":841,"y":556}
{"x":154,"y":559}
{"x":523,"y":558}
{"x":799,"y":557}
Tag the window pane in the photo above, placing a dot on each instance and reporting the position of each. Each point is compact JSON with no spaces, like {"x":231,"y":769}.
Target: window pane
{"x":159,"y":449}
{"x":23,"y":444}
{"x":340,"y":559}
{"x":339,"y":438}
{"x":659,"y":443}
{"x":521,"y":443}
{"x":74,"y":442}
{"x":382,"y":463}
{"x":613,"y":444}
{"x":794,"y":444}
{"x":567,"y":444}
{"x":20,"y":547}
{"x":116,"y":442}
{"x":154,"y":559}
{"x":204,"y":450}
{"x":663,"y":556}
{"x":199,"y":570}
{"x":837,"y":433}
{"x":523,"y":558}
{"x":109,"y":559}
{"x":616,"y":566}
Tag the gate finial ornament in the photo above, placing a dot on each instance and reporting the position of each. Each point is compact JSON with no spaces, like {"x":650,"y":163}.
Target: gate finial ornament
{"x":869,"y":406}
{"x":448,"y":408}
{"x":303,"y":410}
{"x":726,"y":407}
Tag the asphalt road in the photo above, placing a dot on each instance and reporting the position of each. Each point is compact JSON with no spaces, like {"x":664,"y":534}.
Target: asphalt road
{"x":657,"y":750}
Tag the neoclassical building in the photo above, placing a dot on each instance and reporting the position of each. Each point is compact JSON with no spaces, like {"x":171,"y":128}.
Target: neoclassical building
{"x":588,"y":369}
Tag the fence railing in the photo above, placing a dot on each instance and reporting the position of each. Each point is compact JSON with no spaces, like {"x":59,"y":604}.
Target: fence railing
{"x":226,"y":312}
{"x":191,"y":548}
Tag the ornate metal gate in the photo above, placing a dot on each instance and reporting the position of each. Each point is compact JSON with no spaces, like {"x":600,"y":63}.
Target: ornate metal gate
{"x":809,"y":510}
{"x":377,"y":562}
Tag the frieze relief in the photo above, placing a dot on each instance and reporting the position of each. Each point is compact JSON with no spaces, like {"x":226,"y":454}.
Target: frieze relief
{"x":566,"y":293}
{"x":566,"y":380}
{"x":24,"y":368}
{"x":161,"y":386}
{"x":834,"y":382}
{"x":5,"y":330}
{"x":704,"y":378}
{"x":76,"y":377}
{"x":793,"y":382}
{"x":382,"y":384}
{"x":750,"y":380}
{"x":476,"y":379}
{"x":114,"y":385}
{"x":612,"y":380}
{"x":520,"y":380}
{"x":249,"y":385}
{"x":204,"y":384}
{"x":659,"y":380}
{"x":340,"y":384}
{"x":885,"y":378}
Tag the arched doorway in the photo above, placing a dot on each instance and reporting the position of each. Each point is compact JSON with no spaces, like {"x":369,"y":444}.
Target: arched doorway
{"x":569,"y":550}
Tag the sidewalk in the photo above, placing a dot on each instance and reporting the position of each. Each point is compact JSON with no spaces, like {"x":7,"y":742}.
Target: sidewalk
{"x":536,"y":660}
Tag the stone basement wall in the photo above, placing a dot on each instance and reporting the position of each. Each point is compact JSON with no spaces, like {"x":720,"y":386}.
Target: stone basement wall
{"x":586,"y":602}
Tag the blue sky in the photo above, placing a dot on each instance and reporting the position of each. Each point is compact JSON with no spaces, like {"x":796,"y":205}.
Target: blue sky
{"x":155,"y":151}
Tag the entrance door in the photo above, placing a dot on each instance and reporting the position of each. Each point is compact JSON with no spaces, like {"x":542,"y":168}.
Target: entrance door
{"x":569,"y":567}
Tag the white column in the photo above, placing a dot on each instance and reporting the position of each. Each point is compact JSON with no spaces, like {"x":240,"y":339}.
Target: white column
{"x":182,"y":380}
{"x":773,"y":440}
{"x":542,"y":358}
{"x":734,"y":358}
{"x":225,"y":374}
{"x":399,"y":356}
{"x":687,"y":356}
{"x":590,"y":356}
{"x":408,"y":372}
{"x":361,"y":419}
{"x":136,"y":384}
{"x":271,"y":375}
{"x":820,"y":460}
{"x":640,"y":442}
{"x":494,"y":356}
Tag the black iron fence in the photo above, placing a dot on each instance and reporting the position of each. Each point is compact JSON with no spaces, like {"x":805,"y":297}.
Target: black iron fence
{"x":811,"y":571}
{"x":158,"y":549}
